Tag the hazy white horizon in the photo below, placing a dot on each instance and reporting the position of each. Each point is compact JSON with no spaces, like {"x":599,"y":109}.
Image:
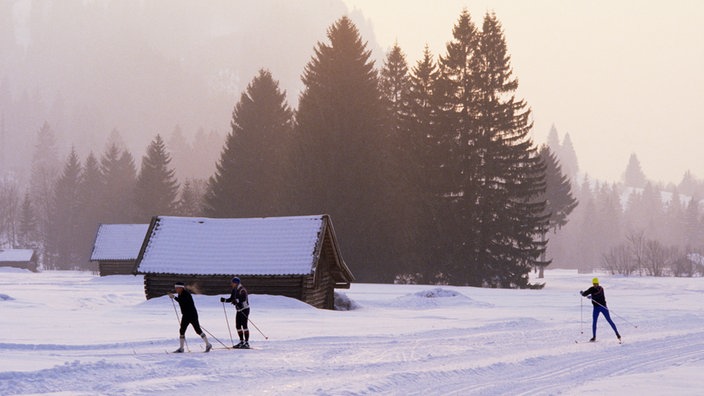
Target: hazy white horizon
{"x":620,"y":77}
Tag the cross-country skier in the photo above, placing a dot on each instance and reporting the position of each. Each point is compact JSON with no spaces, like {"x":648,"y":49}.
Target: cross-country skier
{"x":239,"y":299}
{"x":596,"y":294}
{"x":189,"y":315}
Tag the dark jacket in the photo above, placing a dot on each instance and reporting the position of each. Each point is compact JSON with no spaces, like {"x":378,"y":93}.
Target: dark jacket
{"x":188,"y":307}
{"x":238,"y":298}
{"x":597,"y":293}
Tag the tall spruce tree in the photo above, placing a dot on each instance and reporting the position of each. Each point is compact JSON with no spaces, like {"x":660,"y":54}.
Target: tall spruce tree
{"x":394,"y":85}
{"x":426,"y":167}
{"x":568,"y":160}
{"x":27,"y":234}
{"x":45,"y":170}
{"x":156,"y":188}
{"x":634,"y":176}
{"x":342,"y":151}
{"x":497,"y":173}
{"x":251,"y":175}
{"x":119,"y":178}
{"x":191,"y":201}
{"x":558,"y":192}
{"x":511,"y":177}
{"x":559,"y":201}
{"x":455,"y":142}
{"x":9,"y":211}
{"x":64,"y":222}
{"x":89,"y":198}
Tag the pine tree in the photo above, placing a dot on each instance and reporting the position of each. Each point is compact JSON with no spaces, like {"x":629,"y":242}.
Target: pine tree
{"x":90,"y":195}
{"x":45,"y":170}
{"x":119,"y":179}
{"x":64,"y":221}
{"x":394,"y":85}
{"x":191,"y":201}
{"x":568,"y":159}
{"x":558,"y":192}
{"x":554,"y":141}
{"x":251,"y":174}
{"x":9,"y":211}
{"x":689,"y":184}
{"x":511,"y":177}
{"x":634,"y":176}
{"x":405,"y":217}
{"x":27,"y":235}
{"x":558,"y":195}
{"x":456,"y":166}
{"x":499,"y":175}
{"x":156,"y":188}
{"x":342,"y":150}
{"x":426,"y":167}
{"x":181,"y":152}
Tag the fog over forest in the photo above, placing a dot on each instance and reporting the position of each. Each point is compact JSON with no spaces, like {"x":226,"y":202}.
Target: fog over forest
{"x":92,"y":68}
{"x":93,"y":74}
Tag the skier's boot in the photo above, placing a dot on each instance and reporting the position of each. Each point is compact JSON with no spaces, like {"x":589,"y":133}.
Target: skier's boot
{"x":208,"y":346}
{"x":592,"y":339}
{"x":245,"y":345}
{"x":181,"y":341}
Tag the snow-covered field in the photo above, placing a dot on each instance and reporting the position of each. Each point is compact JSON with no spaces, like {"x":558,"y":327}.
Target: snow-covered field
{"x":73,"y":333}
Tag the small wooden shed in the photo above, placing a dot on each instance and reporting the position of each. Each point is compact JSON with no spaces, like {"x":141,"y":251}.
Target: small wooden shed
{"x":295,"y":256}
{"x":117,"y":246}
{"x":19,"y":258}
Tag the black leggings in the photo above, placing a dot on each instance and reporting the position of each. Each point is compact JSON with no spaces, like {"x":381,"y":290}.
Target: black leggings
{"x":241,"y":319}
{"x":192,"y":321}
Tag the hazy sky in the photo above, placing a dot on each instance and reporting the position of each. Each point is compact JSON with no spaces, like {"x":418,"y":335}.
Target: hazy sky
{"x":620,"y":77}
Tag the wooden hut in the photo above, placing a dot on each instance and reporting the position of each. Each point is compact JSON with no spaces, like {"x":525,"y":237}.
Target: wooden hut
{"x":297,"y":257}
{"x":117,"y":246}
{"x":19,"y":258}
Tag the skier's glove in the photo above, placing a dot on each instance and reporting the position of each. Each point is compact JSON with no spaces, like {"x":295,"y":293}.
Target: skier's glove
{"x":171,"y":295}
{"x":222,"y":299}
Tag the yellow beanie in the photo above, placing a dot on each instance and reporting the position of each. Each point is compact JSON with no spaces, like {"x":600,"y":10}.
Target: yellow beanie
{"x":595,"y":281}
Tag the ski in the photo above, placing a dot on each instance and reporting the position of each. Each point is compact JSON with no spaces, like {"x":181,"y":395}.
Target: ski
{"x":233,"y":348}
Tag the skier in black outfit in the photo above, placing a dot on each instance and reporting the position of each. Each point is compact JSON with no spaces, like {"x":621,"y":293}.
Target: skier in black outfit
{"x":596,"y":294}
{"x":189,"y":315}
{"x":239,"y":299}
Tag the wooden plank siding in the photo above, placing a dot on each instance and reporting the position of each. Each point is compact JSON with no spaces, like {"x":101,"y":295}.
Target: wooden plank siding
{"x":156,"y":285}
{"x":115,"y":267}
{"x":28,"y":265}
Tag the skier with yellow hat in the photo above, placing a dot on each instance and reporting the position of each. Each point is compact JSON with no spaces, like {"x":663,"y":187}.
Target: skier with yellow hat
{"x":596,"y":294}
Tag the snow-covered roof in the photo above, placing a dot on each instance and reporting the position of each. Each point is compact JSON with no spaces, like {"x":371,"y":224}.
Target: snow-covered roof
{"x":249,"y":246}
{"x":16,"y":255}
{"x":118,"y":241}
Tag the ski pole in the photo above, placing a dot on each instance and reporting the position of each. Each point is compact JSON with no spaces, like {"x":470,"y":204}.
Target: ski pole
{"x":255,"y":326}
{"x":215,"y":338}
{"x":581,"y":316}
{"x":179,"y":323}
{"x":615,"y":314}
{"x":228,"y":324}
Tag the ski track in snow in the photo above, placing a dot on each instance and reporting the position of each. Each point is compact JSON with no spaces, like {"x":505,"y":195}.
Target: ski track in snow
{"x":507,"y":358}
{"x":102,"y":338}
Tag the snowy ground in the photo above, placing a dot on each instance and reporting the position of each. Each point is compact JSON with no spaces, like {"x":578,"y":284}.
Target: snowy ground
{"x":72,"y":333}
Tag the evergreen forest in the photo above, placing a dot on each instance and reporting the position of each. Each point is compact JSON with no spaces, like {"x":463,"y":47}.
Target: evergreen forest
{"x":427,"y":168}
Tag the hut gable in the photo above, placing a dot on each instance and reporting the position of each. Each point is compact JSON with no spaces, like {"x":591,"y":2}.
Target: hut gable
{"x":272,"y":255}
{"x":19,"y":258}
{"x":117,"y":247}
